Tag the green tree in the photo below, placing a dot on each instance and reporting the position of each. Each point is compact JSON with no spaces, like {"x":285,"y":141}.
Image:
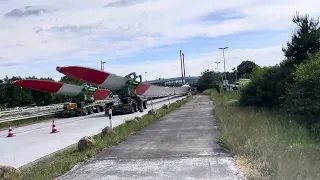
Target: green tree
{"x":303,"y":97}
{"x":305,"y":40}
{"x":68,"y":80}
{"x":208,"y":79}
{"x":269,"y":88}
{"x":245,"y":69}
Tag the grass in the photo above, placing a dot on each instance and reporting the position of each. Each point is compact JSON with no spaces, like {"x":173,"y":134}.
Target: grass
{"x":5,"y":125}
{"x":267,"y":145}
{"x":65,"y":160}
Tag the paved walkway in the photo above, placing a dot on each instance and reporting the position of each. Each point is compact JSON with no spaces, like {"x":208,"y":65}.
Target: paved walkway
{"x":182,"y":145}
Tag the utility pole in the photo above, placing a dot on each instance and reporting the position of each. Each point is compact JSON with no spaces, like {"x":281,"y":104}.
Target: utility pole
{"x":224,"y":63}
{"x":217,"y":62}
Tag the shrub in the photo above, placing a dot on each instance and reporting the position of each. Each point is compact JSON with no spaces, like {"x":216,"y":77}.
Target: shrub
{"x":303,"y":97}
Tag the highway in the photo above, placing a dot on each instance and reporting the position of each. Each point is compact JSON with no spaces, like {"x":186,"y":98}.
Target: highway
{"x":35,"y":141}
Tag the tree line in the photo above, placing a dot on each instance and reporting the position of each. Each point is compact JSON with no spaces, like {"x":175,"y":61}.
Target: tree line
{"x":293,"y":85}
{"x":212,"y":79}
{"x":14,"y":96}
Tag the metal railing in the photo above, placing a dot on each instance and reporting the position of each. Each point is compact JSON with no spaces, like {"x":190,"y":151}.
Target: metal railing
{"x":18,"y":117}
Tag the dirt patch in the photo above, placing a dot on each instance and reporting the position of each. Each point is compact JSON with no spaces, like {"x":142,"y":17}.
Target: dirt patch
{"x":246,"y":167}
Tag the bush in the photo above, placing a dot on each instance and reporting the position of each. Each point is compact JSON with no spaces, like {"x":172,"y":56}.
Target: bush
{"x":303,"y":97}
{"x":266,"y":88}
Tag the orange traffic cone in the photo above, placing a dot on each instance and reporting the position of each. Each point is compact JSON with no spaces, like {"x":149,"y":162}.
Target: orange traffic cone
{"x":10,"y":134}
{"x":54,"y":129}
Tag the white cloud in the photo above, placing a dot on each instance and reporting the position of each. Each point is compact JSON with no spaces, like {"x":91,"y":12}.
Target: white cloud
{"x":167,"y":68}
{"x":83,"y":27}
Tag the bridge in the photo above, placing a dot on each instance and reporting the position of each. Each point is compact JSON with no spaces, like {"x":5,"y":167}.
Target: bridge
{"x":176,"y":81}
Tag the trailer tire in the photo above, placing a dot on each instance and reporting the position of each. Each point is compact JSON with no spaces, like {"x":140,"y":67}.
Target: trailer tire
{"x":90,"y":110}
{"x":85,"y":111}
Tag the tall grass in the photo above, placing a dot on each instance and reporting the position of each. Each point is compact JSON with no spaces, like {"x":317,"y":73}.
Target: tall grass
{"x":270,"y":145}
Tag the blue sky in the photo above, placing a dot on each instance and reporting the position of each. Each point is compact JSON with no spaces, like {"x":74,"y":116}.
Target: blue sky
{"x":36,"y":36}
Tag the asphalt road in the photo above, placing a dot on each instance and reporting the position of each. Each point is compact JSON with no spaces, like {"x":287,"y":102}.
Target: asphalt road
{"x":182,"y":145}
{"x":35,"y":141}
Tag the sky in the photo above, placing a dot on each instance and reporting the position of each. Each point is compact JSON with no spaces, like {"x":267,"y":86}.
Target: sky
{"x":143,"y":36}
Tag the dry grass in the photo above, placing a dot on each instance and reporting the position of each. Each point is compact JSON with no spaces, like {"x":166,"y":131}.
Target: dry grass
{"x":61,"y":162}
{"x":267,"y":145}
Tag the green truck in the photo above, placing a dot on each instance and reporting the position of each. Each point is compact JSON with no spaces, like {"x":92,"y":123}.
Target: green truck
{"x":81,"y":108}
{"x":125,"y":99}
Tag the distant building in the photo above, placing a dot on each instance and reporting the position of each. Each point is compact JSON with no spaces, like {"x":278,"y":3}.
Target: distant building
{"x":176,"y":82}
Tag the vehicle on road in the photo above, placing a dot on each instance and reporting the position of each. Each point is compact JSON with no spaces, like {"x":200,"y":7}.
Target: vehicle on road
{"x":132,"y":94}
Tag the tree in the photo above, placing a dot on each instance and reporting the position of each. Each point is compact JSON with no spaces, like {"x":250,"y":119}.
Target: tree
{"x":208,"y":79}
{"x":245,"y":69}
{"x":269,"y":87}
{"x":69,"y":80}
{"x":305,"y":40}
{"x":303,"y":97}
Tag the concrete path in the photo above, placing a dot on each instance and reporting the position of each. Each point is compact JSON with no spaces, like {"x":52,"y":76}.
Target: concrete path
{"x":182,"y":145}
{"x":34,"y":141}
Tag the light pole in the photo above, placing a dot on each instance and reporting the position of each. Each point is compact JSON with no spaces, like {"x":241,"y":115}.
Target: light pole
{"x":102,"y":65}
{"x":145,"y":76}
{"x":217,"y":62}
{"x":224,"y":63}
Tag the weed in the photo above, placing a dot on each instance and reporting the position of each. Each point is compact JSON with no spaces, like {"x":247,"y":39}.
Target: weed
{"x":276,"y":146}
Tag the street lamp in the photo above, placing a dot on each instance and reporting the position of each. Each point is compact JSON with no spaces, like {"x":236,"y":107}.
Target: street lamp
{"x":217,"y":62}
{"x":224,"y":63}
{"x":102,"y":65}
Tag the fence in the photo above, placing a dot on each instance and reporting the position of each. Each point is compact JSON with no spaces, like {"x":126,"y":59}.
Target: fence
{"x":47,"y":111}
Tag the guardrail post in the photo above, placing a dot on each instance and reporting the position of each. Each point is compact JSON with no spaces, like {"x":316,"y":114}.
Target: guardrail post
{"x":110,"y":116}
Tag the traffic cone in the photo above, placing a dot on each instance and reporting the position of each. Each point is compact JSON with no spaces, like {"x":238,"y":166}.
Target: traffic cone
{"x":54,"y":129}
{"x":10,"y":134}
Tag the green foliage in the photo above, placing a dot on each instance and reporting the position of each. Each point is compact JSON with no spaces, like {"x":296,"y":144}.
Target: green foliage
{"x":276,"y":146}
{"x":246,"y":68}
{"x":304,"y":41}
{"x":208,"y":80}
{"x":303,"y":96}
{"x":14,"y":96}
{"x":269,"y":85}
{"x":265,"y":89}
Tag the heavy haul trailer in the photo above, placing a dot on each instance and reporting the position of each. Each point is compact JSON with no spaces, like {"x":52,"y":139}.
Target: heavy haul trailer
{"x":82,"y":108}
{"x":88,"y":103}
{"x":127,"y":100}
{"x":128,"y":89}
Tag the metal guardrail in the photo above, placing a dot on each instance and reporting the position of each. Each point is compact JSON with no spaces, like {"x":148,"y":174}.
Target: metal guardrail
{"x":30,"y":110}
{"x":17,"y":118}
{"x":54,"y":111}
{"x":27,"y":108}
